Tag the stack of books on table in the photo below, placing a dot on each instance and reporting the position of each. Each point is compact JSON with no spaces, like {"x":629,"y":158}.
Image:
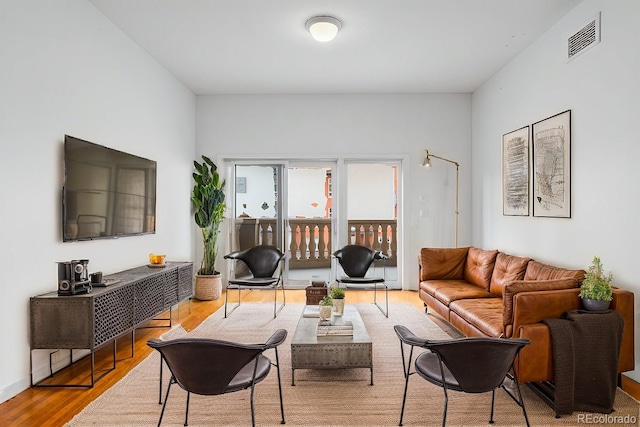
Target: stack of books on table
{"x":326,"y":328}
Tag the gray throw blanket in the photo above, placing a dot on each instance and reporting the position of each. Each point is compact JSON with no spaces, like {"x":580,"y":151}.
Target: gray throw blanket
{"x":586,"y":349}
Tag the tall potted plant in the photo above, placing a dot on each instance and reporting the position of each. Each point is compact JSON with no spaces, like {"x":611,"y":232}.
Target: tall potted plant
{"x":208,"y":203}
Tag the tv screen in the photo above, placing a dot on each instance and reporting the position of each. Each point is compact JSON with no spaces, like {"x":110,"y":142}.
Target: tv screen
{"x":107,"y":193}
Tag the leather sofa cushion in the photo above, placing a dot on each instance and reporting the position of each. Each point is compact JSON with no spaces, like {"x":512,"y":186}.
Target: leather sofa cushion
{"x":507,"y":269}
{"x":484,"y":314}
{"x":478,"y":267}
{"x":442,"y":263}
{"x":539,"y":271}
{"x":447,"y":291}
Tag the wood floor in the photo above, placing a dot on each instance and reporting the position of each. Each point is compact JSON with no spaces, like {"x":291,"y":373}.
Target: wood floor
{"x":40,"y":406}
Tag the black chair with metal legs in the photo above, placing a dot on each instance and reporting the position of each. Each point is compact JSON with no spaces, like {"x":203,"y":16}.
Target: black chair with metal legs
{"x":469,"y":365}
{"x":355,"y":262}
{"x":211,"y":367}
{"x":265,"y":263}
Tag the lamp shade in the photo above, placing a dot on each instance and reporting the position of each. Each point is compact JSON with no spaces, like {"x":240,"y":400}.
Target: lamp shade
{"x":426,"y":163}
{"x":323,"y":28}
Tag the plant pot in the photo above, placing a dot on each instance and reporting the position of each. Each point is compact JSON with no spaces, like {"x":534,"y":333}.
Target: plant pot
{"x":325,"y":312}
{"x":208,"y":287}
{"x":338,"y":306}
{"x":595,"y":304}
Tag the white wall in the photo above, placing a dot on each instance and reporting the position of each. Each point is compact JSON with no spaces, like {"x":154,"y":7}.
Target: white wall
{"x":66,"y":69}
{"x":337,"y":126}
{"x":602,"y":89}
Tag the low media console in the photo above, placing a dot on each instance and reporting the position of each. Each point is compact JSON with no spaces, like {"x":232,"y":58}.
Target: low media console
{"x":90,"y":321}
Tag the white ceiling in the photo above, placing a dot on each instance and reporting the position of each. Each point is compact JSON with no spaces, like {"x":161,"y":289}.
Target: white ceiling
{"x":385,"y":46}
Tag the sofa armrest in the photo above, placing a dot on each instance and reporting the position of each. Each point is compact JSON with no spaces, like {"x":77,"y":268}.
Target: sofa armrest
{"x":515,"y":287}
{"x":623,"y":303}
{"x":532,"y":307}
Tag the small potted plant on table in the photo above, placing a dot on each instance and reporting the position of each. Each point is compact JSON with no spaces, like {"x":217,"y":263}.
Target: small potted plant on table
{"x":326,"y":305}
{"x":595,"y":291}
{"x":337,"y":294}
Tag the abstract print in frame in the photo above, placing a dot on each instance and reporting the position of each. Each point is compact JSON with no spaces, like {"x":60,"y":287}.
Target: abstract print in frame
{"x":515,"y":172}
{"x":552,"y":166}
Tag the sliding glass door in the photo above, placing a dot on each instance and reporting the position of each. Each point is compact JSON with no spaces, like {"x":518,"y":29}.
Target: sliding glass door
{"x":257,"y":213}
{"x":311,"y":208}
{"x":372,"y":209}
{"x":309,"y":220}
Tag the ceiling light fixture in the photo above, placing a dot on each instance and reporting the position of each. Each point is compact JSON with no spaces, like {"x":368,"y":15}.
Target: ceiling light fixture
{"x":323,"y":28}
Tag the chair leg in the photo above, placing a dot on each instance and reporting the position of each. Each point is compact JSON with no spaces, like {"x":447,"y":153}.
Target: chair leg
{"x":279,"y":385}
{"x":227,"y":313}
{"x":493,"y":400}
{"x":385,"y":310}
{"x":166,"y":397}
{"x":186,"y":413}
{"x":253,"y":414}
{"x":226,"y":301}
{"x":406,"y":371}
{"x":404,"y":396}
{"x":277,"y":310}
{"x":446,"y":405}
{"x":521,"y":402}
{"x":160,"y":387}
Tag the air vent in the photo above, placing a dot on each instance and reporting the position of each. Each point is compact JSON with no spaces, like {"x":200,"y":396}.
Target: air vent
{"x":585,"y":38}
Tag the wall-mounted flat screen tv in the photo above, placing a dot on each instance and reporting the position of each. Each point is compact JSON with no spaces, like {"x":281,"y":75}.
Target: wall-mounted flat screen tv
{"x":107,"y":193}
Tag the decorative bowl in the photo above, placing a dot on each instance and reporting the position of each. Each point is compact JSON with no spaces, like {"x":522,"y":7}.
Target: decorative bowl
{"x":156,"y":259}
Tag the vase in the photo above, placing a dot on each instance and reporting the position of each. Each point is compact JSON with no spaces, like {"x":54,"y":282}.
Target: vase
{"x":325,"y":312}
{"x":595,"y":304}
{"x":208,"y":287}
{"x":338,"y":306}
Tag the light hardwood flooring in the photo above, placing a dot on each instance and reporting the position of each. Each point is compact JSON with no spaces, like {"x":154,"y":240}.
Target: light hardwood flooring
{"x":39,"y":406}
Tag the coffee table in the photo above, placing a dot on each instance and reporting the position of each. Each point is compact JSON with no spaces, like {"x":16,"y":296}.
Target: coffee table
{"x":309,"y":351}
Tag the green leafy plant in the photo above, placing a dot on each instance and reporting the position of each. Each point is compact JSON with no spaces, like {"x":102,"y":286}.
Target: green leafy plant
{"x":596,"y":285}
{"x":326,"y":301}
{"x":337,"y":293}
{"x":207,"y":199}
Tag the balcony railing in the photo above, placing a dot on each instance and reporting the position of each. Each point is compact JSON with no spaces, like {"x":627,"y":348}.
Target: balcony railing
{"x":310,"y":238}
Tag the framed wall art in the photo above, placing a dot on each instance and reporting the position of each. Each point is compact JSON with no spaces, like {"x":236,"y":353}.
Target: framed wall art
{"x":551,"y":140}
{"x":515,"y":172}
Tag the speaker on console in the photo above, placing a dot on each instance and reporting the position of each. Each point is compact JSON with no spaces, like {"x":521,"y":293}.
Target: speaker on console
{"x":73,"y":277}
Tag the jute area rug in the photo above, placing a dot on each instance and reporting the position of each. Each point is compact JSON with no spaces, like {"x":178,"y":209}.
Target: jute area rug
{"x":324,"y":397}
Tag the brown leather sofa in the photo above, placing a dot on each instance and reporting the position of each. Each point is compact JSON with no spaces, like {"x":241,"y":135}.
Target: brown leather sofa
{"x":490,"y":293}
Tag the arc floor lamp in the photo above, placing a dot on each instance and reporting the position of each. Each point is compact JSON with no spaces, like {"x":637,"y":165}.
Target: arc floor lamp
{"x":427,"y":164}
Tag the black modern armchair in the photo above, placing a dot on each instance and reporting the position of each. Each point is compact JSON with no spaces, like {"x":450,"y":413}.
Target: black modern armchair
{"x":355,"y":262}
{"x":469,"y":365}
{"x":213,"y":367}
{"x":265,"y":266}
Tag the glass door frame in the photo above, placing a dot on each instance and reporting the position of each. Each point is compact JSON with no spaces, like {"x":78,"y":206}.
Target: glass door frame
{"x":343,"y":214}
{"x":339,"y":218}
